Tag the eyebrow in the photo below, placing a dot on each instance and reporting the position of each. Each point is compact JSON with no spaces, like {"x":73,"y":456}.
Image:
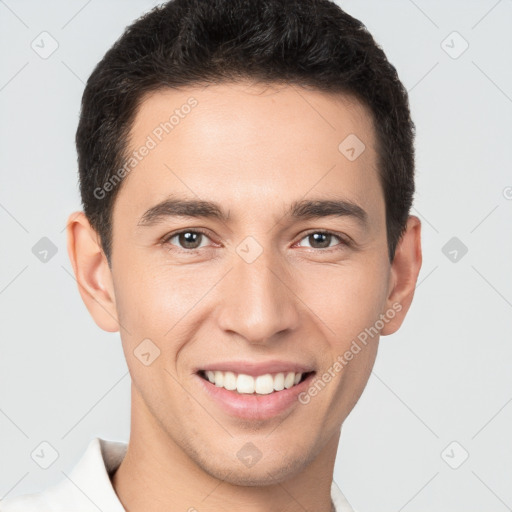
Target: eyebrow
{"x":298,"y":210}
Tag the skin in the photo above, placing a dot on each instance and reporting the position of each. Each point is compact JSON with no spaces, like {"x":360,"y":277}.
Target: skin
{"x":254,"y":150}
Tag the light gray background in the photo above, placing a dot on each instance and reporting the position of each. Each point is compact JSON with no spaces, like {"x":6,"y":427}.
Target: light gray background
{"x":444,"y":376}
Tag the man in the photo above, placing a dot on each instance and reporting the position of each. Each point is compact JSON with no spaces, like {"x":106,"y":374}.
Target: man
{"x":246,"y":171}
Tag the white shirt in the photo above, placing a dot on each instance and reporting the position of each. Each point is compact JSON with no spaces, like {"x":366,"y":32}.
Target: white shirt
{"x":88,"y":487}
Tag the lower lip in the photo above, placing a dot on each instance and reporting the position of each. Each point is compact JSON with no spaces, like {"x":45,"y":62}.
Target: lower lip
{"x":252,"y":406}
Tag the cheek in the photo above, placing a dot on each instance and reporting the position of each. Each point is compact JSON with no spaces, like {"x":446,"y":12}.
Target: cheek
{"x":347,"y":299}
{"x":153,"y":298}
{"x":157,"y":303}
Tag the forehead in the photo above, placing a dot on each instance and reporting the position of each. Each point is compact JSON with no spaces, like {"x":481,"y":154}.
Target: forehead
{"x":257,"y":145}
{"x":253,"y":111}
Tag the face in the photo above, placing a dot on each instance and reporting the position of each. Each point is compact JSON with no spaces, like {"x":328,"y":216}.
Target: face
{"x":267,"y":290}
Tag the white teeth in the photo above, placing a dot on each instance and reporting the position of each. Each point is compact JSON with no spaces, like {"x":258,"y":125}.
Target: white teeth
{"x":230,"y":381}
{"x":219,"y":379}
{"x":247,"y":384}
{"x":279,"y":382}
{"x":289,"y":380}
{"x":264,"y":384}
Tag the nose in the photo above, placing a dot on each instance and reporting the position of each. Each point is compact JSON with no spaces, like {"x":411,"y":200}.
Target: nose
{"x":257,"y":300}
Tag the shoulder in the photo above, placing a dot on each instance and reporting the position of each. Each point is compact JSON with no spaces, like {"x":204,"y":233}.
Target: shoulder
{"x":35,"y":502}
{"x":86,"y":489}
{"x":60,"y":497}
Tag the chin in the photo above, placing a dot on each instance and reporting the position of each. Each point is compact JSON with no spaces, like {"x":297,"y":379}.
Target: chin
{"x":269,"y":470}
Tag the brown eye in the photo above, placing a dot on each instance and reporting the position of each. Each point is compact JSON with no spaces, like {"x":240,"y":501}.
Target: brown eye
{"x":323,"y":240}
{"x":188,"y":240}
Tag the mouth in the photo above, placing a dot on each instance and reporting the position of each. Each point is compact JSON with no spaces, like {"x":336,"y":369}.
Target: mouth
{"x":244,"y":384}
{"x":259,"y":394}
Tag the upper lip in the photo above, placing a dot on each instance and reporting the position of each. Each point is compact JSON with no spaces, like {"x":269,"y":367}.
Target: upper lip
{"x":257,"y":368}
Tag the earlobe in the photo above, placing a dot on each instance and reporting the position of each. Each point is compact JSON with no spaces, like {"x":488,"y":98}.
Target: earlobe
{"x":404,"y":276}
{"x":93,"y":275}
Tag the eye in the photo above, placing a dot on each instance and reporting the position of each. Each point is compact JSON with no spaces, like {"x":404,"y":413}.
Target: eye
{"x":323,"y":239}
{"x":188,"y":240}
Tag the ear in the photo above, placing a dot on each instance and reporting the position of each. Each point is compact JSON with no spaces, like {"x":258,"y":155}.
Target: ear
{"x":92,"y":272}
{"x":404,"y":275}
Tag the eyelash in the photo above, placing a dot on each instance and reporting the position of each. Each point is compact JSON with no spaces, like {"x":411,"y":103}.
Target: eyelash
{"x":344,"y":242}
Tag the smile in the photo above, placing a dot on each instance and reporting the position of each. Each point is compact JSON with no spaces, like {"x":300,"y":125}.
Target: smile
{"x":254,"y":391}
{"x":258,"y":385}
